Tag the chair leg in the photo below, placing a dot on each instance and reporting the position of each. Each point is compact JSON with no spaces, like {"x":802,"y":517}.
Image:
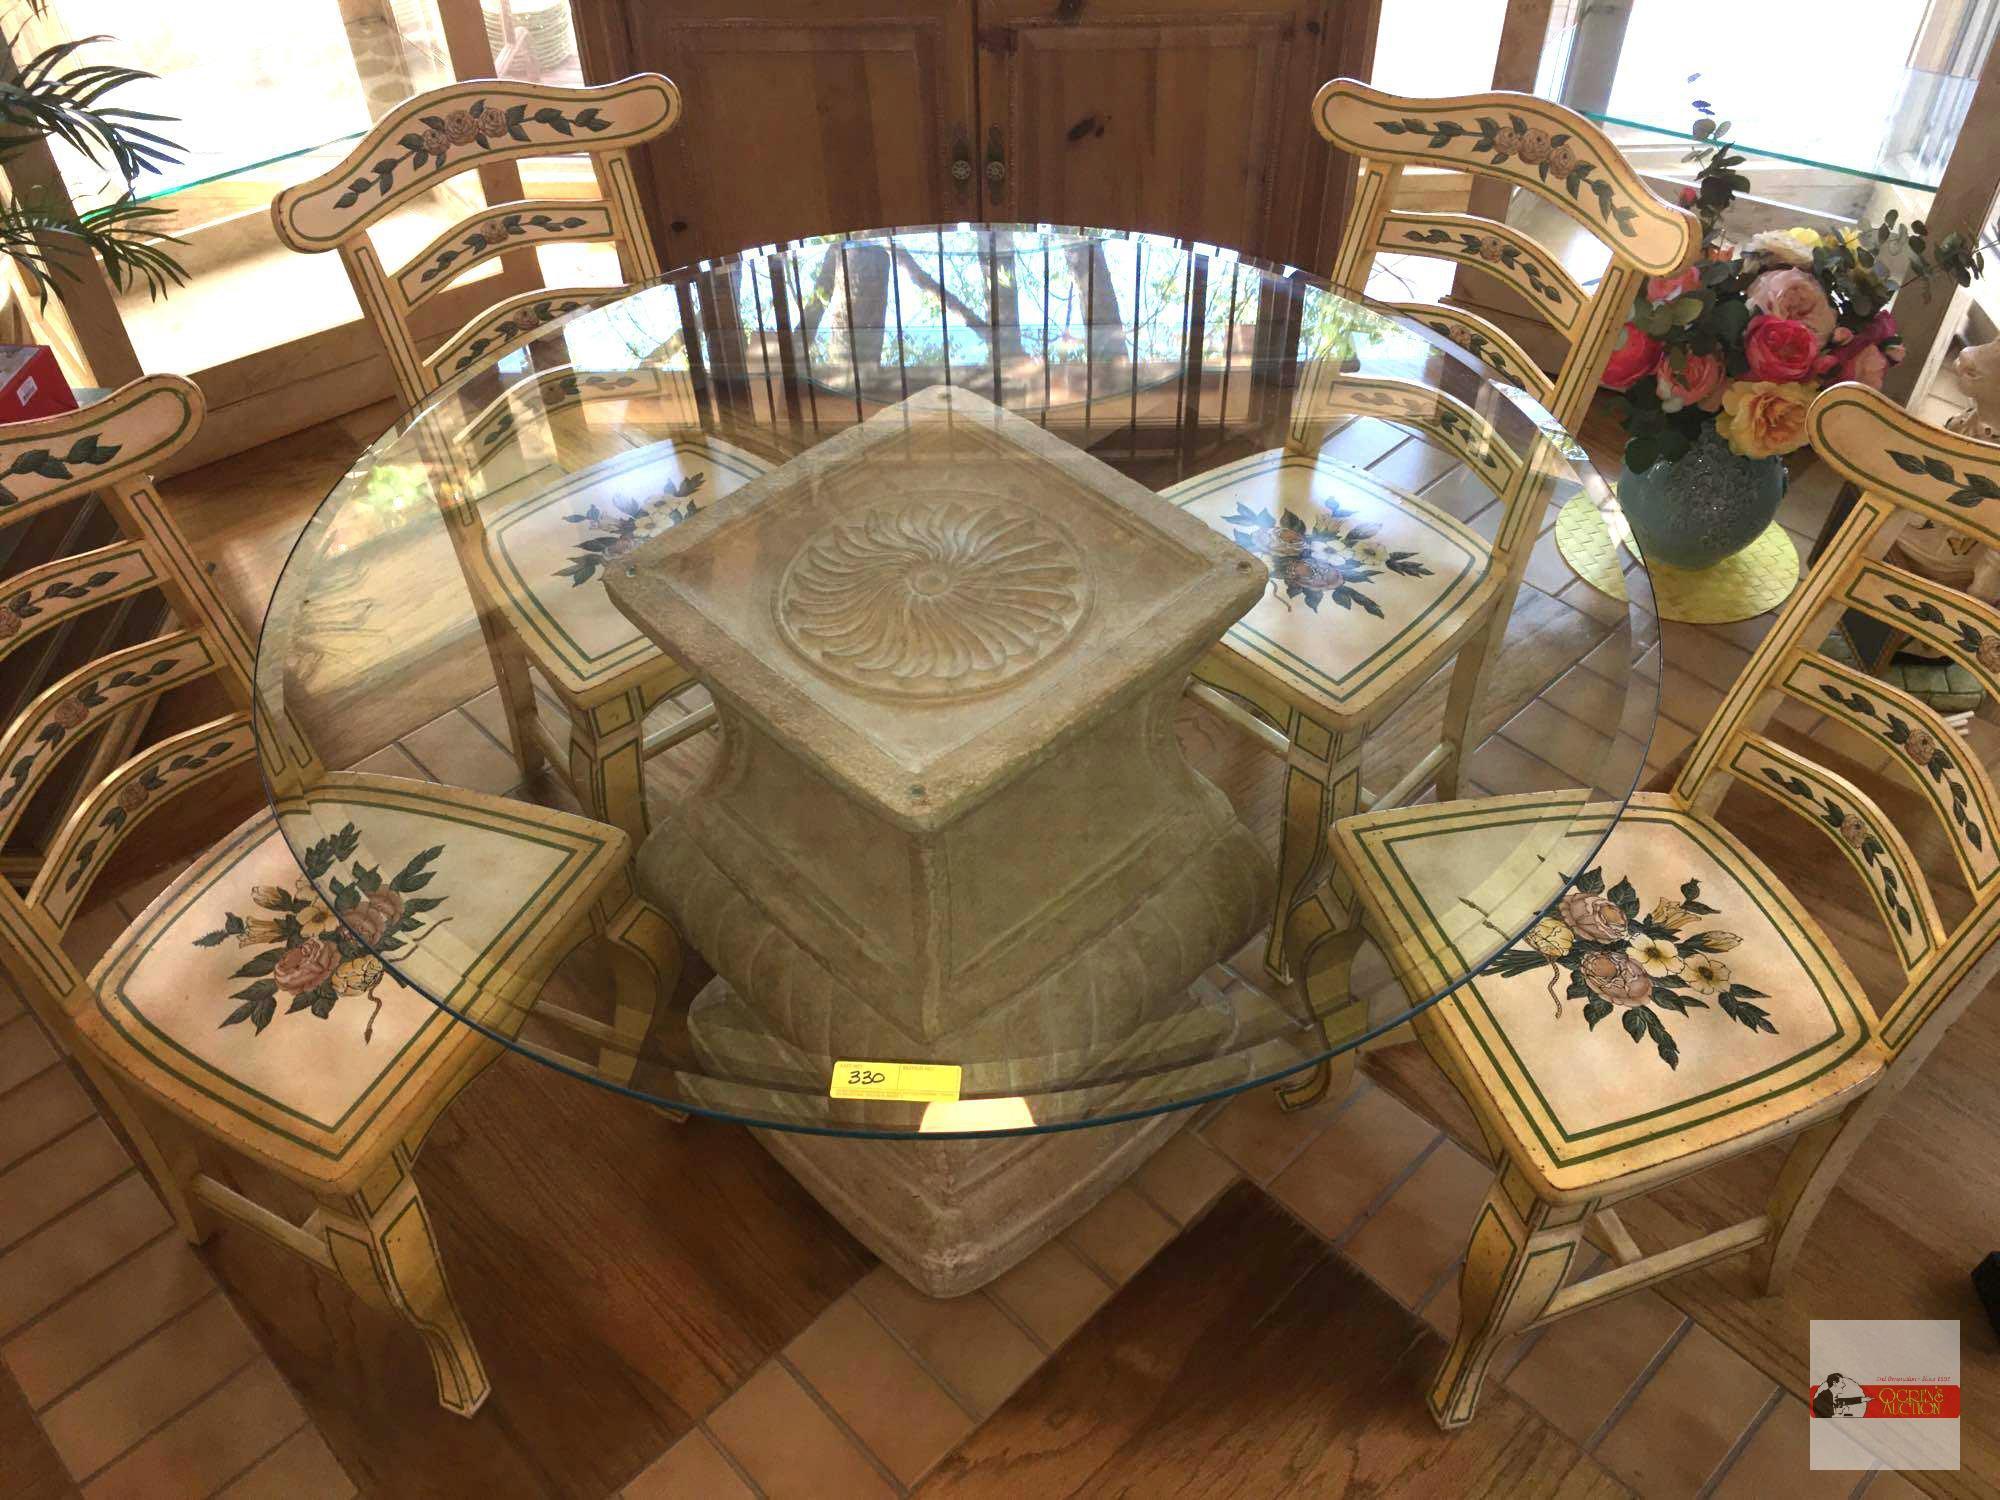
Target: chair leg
{"x":382,"y":1247}
{"x":1521,"y":1251}
{"x":1812,"y":1169}
{"x":517,"y":700}
{"x":1322,"y":785}
{"x":165,"y":1146}
{"x":607,"y":761}
{"x":645,"y":955}
{"x":1323,"y":933}
{"x":1461,"y":703}
{"x":1426,"y":1028}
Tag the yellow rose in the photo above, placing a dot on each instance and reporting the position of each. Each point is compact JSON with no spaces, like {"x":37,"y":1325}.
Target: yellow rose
{"x":1761,"y":418}
{"x":358,"y":976}
{"x":1551,"y":937}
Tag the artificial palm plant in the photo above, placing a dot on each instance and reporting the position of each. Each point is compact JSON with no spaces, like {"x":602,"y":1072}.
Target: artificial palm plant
{"x":60,"y":93}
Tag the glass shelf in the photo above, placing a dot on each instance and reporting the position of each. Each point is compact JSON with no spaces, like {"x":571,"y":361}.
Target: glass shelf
{"x":1756,"y":151}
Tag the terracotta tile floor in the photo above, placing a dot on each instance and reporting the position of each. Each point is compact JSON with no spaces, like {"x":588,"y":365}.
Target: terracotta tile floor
{"x":146,"y":1382}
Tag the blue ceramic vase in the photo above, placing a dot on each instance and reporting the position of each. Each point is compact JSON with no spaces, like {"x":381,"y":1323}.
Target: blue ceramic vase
{"x":1711,"y":503}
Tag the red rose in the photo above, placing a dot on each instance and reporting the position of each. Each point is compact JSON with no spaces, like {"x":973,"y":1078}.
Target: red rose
{"x":1637,"y":355}
{"x":1666,"y":288}
{"x":375,"y":915}
{"x":1780,"y":349}
{"x":307,"y":966}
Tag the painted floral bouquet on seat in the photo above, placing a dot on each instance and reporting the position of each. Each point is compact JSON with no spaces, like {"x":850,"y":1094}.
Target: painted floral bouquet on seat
{"x":1742,"y":340}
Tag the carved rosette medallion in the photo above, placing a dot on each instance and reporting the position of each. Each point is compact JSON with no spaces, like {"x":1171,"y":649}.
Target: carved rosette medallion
{"x":934,"y":599}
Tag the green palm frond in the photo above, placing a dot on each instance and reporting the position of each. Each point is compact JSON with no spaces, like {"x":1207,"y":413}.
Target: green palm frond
{"x":46,"y":97}
{"x":120,"y":234}
{"x":55,"y":94}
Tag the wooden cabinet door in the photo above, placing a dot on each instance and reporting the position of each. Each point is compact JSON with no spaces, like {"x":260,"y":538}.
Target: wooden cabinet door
{"x":1182,"y":117}
{"x":801,"y":117}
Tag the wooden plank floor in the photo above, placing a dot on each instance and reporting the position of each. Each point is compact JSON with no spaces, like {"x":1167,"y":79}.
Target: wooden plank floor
{"x":1249,"y":1359}
{"x":623,"y":1273}
{"x":634,"y":1284}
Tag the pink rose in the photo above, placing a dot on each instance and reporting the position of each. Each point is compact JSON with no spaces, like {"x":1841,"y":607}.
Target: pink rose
{"x":1689,"y":197}
{"x":1796,"y":295}
{"x":1866,"y":354}
{"x":375,"y":915}
{"x":1616,"y":978}
{"x":1697,"y":383}
{"x":1636,"y":355}
{"x":1780,"y":349}
{"x":307,"y":966}
{"x":1595,"y":919}
{"x":1666,"y":288}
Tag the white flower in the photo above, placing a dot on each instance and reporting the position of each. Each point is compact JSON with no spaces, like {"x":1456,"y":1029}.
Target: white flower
{"x":1705,"y":973}
{"x":1794,"y":246}
{"x":1656,"y":956}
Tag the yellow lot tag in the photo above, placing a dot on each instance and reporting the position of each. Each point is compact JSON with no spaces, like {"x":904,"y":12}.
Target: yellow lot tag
{"x":921,"y":1083}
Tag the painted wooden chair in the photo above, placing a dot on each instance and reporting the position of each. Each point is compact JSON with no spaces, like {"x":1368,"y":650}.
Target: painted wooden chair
{"x":535,"y":573}
{"x":434,"y":136}
{"x":535,"y":553}
{"x":1729,"y":1019}
{"x":1383,"y":616}
{"x":241,"y":1005}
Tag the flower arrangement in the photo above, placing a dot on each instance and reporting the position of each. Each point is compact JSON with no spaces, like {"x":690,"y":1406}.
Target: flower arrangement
{"x":1744,"y":338}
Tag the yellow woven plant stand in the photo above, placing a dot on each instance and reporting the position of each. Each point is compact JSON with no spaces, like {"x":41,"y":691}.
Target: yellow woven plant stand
{"x":1759,"y":578}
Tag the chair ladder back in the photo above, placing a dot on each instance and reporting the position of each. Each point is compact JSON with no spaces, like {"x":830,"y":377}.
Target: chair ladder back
{"x":1487,"y":342}
{"x":101,"y":702}
{"x":1931,"y":756}
{"x":1904,"y":466}
{"x":1494,"y":247}
{"x":1524,"y":142}
{"x":115,"y":807}
{"x":1858,"y":828}
{"x":136,"y":428}
{"x":434,"y":136}
{"x":1328,"y":397}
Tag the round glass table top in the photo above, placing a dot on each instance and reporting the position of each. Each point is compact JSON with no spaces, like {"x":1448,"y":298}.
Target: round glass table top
{"x":975,"y":630}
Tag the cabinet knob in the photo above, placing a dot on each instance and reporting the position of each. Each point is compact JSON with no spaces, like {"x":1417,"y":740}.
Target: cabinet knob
{"x":961,"y":170}
{"x":996,"y":172}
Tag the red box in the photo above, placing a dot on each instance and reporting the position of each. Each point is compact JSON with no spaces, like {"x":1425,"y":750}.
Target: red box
{"x":31,"y":383}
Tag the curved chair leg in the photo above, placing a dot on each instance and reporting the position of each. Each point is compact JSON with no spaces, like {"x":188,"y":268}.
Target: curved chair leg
{"x":645,"y":955}
{"x":1424,"y":1024}
{"x":1812,"y":1170}
{"x":383,"y":1248}
{"x":1322,"y":935}
{"x":1516,"y":1262}
{"x":1322,"y":785}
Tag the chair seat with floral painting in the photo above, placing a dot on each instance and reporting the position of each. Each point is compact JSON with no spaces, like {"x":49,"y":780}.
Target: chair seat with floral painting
{"x":1677,"y":996}
{"x":248,"y":1002}
{"x":548,"y":550}
{"x":1678,"y":1005}
{"x":1370,"y":587}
